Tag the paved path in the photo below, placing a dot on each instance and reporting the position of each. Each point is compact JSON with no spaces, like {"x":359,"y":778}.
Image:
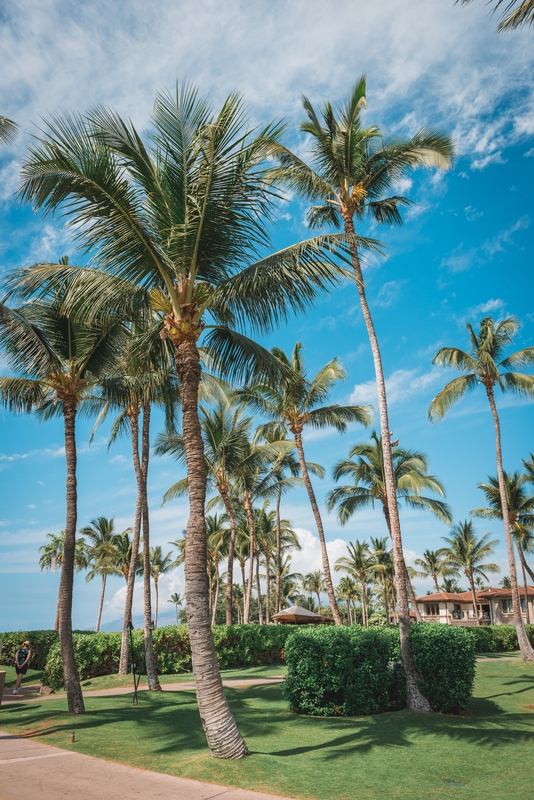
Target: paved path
{"x":31,"y":692}
{"x":30,"y":769}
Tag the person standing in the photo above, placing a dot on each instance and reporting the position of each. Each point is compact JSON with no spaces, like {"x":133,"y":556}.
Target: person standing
{"x":22,"y":660}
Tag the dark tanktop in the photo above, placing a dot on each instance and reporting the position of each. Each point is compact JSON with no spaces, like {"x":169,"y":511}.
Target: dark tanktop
{"x":23,"y":654}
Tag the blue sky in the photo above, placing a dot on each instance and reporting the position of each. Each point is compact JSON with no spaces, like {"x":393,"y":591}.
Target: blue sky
{"x":465,"y":250}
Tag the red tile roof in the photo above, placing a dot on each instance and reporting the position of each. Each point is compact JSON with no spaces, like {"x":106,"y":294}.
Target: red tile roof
{"x":466,"y":597}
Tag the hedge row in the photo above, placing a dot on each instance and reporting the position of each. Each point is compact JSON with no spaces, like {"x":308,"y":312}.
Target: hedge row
{"x":348,"y":671}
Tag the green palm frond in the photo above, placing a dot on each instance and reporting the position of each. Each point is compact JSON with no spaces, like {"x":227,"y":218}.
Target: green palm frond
{"x":8,"y":130}
{"x":452,"y":392}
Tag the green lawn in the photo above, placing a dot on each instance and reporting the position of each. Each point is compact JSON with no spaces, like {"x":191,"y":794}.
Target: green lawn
{"x":32,"y":676}
{"x":114,"y":681}
{"x":484,"y":755}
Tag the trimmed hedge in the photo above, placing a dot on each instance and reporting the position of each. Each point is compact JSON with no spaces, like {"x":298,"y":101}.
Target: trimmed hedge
{"x":41,"y":643}
{"x":237,"y":646}
{"x":498,"y":638}
{"x":338,"y":671}
{"x":445,"y":657}
{"x":352,"y":671}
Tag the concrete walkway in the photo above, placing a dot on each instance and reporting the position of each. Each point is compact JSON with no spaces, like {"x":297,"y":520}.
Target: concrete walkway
{"x":30,"y":769}
{"x":31,"y":692}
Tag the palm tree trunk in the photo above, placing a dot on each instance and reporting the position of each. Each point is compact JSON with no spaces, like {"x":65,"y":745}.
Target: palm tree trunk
{"x":252,"y":545}
{"x":364,"y":605}
{"x":320,"y":530}
{"x":474,"y":595}
{"x":222,"y":733}
{"x":56,"y":623}
{"x":524,"y":645}
{"x":150,"y":658}
{"x":318,"y":602}
{"x":411,"y":595}
{"x":70,"y":669}
{"x":267,"y":589}
{"x":231,"y":553}
{"x":386,"y":606}
{"x":244,"y":582}
{"x":258,"y":590}
{"x":216,"y":598}
{"x":101,"y":603}
{"x":132,"y":569}
{"x":525,"y":584}
{"x":278,"y":556}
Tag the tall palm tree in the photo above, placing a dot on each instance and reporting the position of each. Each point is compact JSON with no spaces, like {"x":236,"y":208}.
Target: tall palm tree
{"x":159,"y":565}
{"x":52,"y":557}
{"x":294,"y":402}
{"x":57,"y":360}
{"x":485,"y":364}
{"x":274,"y":536}
{"x":353,"y":171}
{"x":466,"y":553}
{"x":521,"y":514}
{"x":348,"y":591}
{"x":382,"y":566}
{"x":366,"y":467}
{"x":181,"y":215}
{"x":359,"y":565}
{"x":102,"y":551}
{"x":434,"y":565}
{"x":314,"y":583}
{"x":177,"y":599}
{"x":515,"y":14}
{"x":219,"y":535}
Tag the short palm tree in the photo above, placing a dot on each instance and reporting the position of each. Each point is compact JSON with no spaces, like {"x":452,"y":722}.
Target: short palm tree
{"x":521,"y":513}
{"x":182,"y":215}
{"x":366,"y":467}
{"x":102,"y":551}
{"x":58,"y":360}
{"x":485,"y":364}
{"x":434,"y":565}
{"x":515,"y":14}
{"x":159,"y":565}
{"x":292,"y":403}
{"x":353,"y":173}
{"x":314,"y":583}
{"x":359,"y":565}
{"x":466,"y":553}
{"x":52,"y":557}
{"x":177,"y":599}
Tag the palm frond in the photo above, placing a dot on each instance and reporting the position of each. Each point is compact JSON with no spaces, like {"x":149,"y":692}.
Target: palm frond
{"x":452,"y":392}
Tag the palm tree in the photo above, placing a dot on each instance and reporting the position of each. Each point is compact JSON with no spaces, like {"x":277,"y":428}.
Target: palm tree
{"x":103,"y":539}
{"x":466,"y":553}
{"x":177,"y":599}
{"x":218,"y":535}
{"x":516,"y":13}
{"x":484,"y":365}
{"x":353,"y":170}
{"x":506,"y":583}
{"x":314,"y":583}
{"x":382,"y":566}
{"x":289,"y":582}
{"x":434,"y":565}
{"x":347,"y":590}
{"x":450,"y":585}
{"x":57,"y":360}
{"x":359,"y":565}
{"x":521,"y":514}
{"x":8,"y":130}
{"x":182,"y":216}
{"x":366,"y":467}
{"x":159,"y":565}
{"x":274,"y":536}
{"x":52,"y":557}
{"x":295,"y":401}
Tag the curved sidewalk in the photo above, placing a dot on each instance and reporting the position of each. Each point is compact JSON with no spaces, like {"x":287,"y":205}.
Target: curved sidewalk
{"x":32,"y":769}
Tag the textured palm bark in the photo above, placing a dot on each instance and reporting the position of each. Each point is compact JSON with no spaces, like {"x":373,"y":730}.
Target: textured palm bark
{"x":252,"y":547}
{"x":474,"y":596}
{"x":525,"y":584}
{"x":267,"y":590}
{"x":258,"y":589}
{"x":524,"y":645}
{"x":415,"y":699}
{"x":101,"y":603}
{"x":150,"y":659}
{"x":130,"y":580}
{"x":70,"y":669}
{"x":411,"y":595}
{"x":320,"y":530}
{"x":222,"y":733}
{"x":278,"y":551}
{"x":56,"y":623}
{"x":231,"y":551}
{"x":216,"y":595}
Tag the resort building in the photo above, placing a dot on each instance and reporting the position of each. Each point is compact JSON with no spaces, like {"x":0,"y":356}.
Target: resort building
{"x":494,"y":607}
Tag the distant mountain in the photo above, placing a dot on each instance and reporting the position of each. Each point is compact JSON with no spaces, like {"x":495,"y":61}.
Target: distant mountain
{"x":116,"y":624}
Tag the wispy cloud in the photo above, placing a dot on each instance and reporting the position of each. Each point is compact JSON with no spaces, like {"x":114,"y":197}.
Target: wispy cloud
{"x":46,"y":452}
{"x":402,"y":385}
{"x":461,"y":258}
{"x":389,"y":293}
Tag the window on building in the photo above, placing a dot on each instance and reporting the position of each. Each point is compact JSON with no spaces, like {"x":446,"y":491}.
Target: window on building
{"x":432,"y":609}
{"x":506,"y":606}
{"x":523,"y":605}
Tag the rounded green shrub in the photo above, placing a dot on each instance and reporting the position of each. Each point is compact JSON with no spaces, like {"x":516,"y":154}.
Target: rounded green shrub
{"x":445,"y":657}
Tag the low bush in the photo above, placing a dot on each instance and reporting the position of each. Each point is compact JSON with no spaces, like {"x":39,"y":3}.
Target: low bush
{"x":339,"y":671}
{"x":445,"y":658}
{"x":498,"y":638}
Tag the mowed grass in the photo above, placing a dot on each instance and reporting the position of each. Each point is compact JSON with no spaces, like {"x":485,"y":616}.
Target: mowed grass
{"x":485,"y":754}
{"x":32,"y":676}
{"x":247,"y":673}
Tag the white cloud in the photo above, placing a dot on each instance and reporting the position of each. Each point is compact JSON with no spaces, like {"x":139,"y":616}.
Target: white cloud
{"x":529,"y":153}
{"x":400,"y":386}
{"x":46,"y":452}
{"x":309,"y":558}
{"x":462,"y":259}
{"x":472,"y":214}
{"x":506,"y":236}
{"x":486,"y":308}
{"x":389,"y":293}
